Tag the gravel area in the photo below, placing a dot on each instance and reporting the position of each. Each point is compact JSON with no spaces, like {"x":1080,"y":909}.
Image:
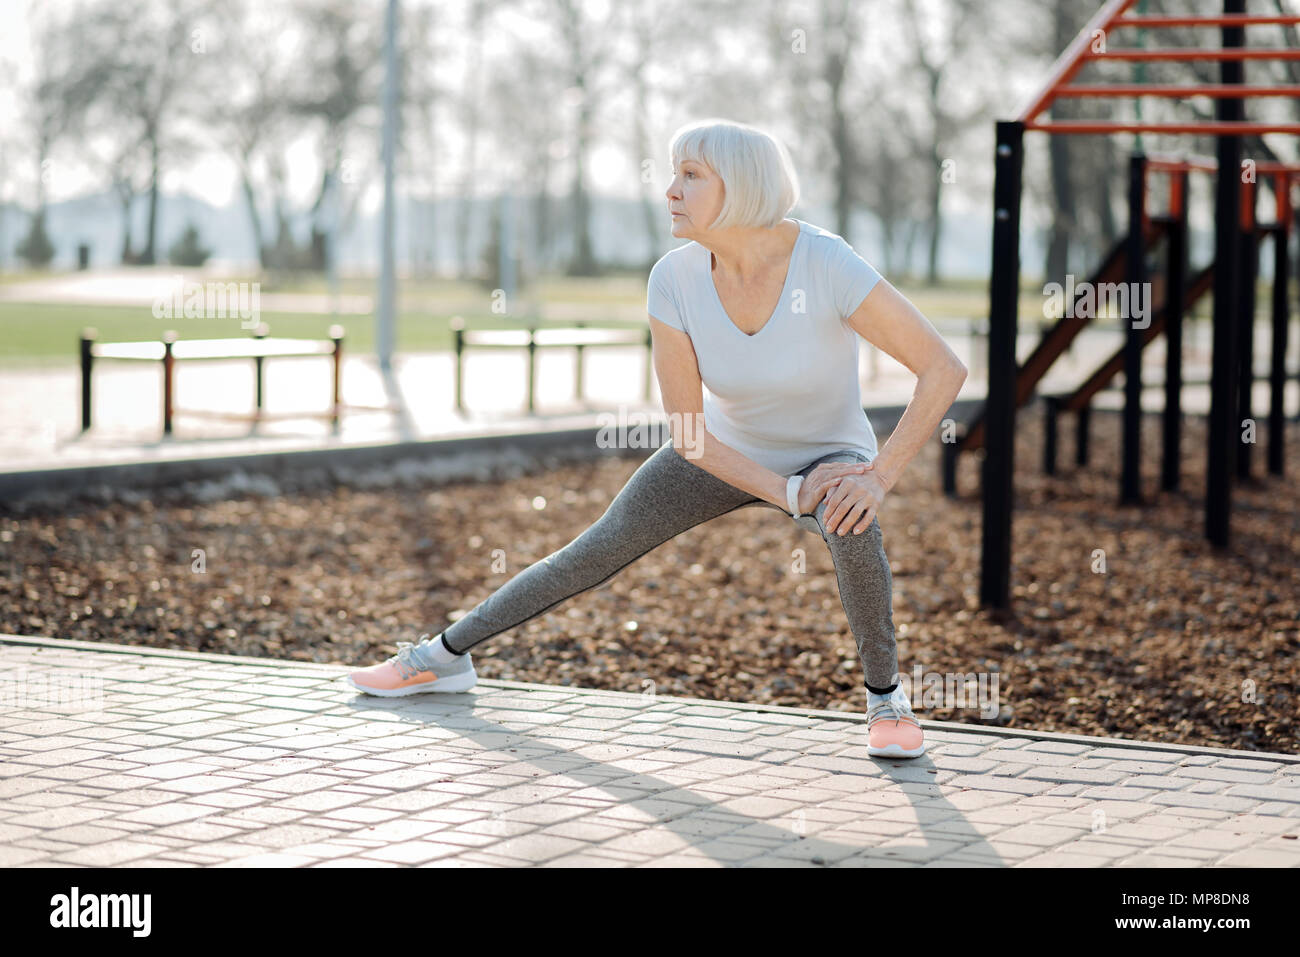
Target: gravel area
{"x":1168,"y":641}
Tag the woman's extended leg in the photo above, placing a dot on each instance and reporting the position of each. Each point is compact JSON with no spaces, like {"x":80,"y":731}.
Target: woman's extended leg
{"x":666,"y":495}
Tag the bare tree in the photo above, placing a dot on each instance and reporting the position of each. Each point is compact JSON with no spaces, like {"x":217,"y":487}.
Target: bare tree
{"x":962,"y":36}
{"x":841,"y":32}
{"x":253,"y":121}
{"x":1083,"y":174}
{"x":678,"y":69}
{"x":898,"y":202}
{"x":1068,"y":17}
{"x":424,"y":92}
{"x":520,"y":119}
{"x":584,"y":59}
{"x":814,"y":60}
{"x":151,"y":56}
{"x":652,"y":32}
{"x":470,"y":103}
{"x":56,"y":100}
{"x":337,"y":82}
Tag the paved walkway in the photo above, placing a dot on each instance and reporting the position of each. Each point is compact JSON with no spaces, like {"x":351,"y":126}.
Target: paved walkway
{"x":119,"y":756}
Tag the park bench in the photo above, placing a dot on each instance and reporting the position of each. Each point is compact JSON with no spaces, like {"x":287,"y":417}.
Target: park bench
{"x":533,"y":338}
{"x":259,"y":348}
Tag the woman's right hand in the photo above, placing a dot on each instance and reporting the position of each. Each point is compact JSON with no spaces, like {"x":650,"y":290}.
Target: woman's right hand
{"x":823,"y":479}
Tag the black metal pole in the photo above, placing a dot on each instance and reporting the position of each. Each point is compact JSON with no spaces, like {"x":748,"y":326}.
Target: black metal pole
{"x":87,"y":364}
{"x":948,"y":466}
{"x":998,"y":468}
{"x":1082,"y":422}
{"x":1246,"y":282}
{"x":169,"y":381}
{"x":1130,"y":492}
{"x":1222,"y":446}
{"x":578,"y":366}
{"x":1175,"y":292}
{"x":458,"y":342}
{"x":1051,"y":410}
{"x":532,"y":369}
{"x":259,"y":375}
{"x":1281,"y":326}
{"x":336,"y":334}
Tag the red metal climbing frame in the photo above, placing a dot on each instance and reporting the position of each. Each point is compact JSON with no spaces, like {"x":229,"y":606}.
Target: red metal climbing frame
{"x":1093,"y":45}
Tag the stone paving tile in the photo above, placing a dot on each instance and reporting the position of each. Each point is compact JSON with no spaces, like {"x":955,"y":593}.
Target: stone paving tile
{"x":286,"y":835}
{"x":405,"y":853}
{"x":1265,"y":792}
{"x":46,"y":847}
{"x":252,"y":817}
{"x":106,"y":855}
{"x":55,"y":818}
{"x":67,"y":773}
{"x":84,"y":834}
{"x":198,"y":831}
{"x":169,"y":813}
{"x":1188,"y":801}
{"x":199,"y":783}
{"x":1259,"y":857}
{"x":544,"y":814}
{"x":1211,"y":839}
{"x":1228,"y":774}
{"x":1188,"y":856}
{"x":995,"y":782}
{"x":12,"y":832}
{"x":18,"y":856}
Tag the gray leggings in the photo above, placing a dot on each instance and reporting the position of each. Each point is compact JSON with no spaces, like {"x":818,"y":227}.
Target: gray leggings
{"x":665,"y":496}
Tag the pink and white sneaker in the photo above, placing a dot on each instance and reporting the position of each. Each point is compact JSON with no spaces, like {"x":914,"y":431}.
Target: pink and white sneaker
{"x":892,"y":728}
{"x":403,"y":674}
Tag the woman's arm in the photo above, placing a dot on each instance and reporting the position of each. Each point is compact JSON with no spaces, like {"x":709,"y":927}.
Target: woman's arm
{"x":678,"y":370}
{"x":887,"y":320}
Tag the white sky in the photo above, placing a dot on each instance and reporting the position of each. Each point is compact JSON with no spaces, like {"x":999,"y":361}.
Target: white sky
{"x":211,"y":175}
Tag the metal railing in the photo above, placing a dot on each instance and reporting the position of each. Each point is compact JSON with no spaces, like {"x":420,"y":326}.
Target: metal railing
{"x":170,"y":349}
{"x":532,"y":338}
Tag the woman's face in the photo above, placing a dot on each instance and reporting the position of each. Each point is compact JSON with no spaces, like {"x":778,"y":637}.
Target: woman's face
{"x":696,"y":192}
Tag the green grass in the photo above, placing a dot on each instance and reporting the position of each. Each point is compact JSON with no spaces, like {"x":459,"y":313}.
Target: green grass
{"x":614,"y":288}
{"x":45,"y":333}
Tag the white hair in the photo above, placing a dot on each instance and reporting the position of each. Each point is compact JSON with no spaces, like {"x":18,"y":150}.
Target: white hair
{"x":759,"y":182}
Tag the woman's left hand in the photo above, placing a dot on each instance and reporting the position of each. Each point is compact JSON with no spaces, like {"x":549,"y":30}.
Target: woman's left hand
{"x":853,"y":504}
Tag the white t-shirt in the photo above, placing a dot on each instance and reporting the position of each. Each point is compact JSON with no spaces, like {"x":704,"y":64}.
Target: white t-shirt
{"x":788,"y":394}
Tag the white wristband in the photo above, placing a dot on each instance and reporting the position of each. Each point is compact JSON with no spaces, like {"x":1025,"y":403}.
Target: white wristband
{"x":792,"y":487}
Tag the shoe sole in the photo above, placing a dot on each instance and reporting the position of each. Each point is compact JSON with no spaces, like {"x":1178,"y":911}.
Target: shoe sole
{"x":894,"y":751}
{"x":451,"y":684}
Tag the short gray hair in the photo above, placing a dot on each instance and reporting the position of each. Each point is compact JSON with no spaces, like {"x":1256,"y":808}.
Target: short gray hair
{"x":759,"y":182}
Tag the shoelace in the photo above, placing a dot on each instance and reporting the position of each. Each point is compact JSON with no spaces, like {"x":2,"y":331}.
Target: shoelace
{"x":896,"y":708}
{"x":402,"y":660}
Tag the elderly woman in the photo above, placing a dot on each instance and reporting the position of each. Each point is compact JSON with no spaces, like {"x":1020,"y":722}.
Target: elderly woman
{"x":763,"y":311}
